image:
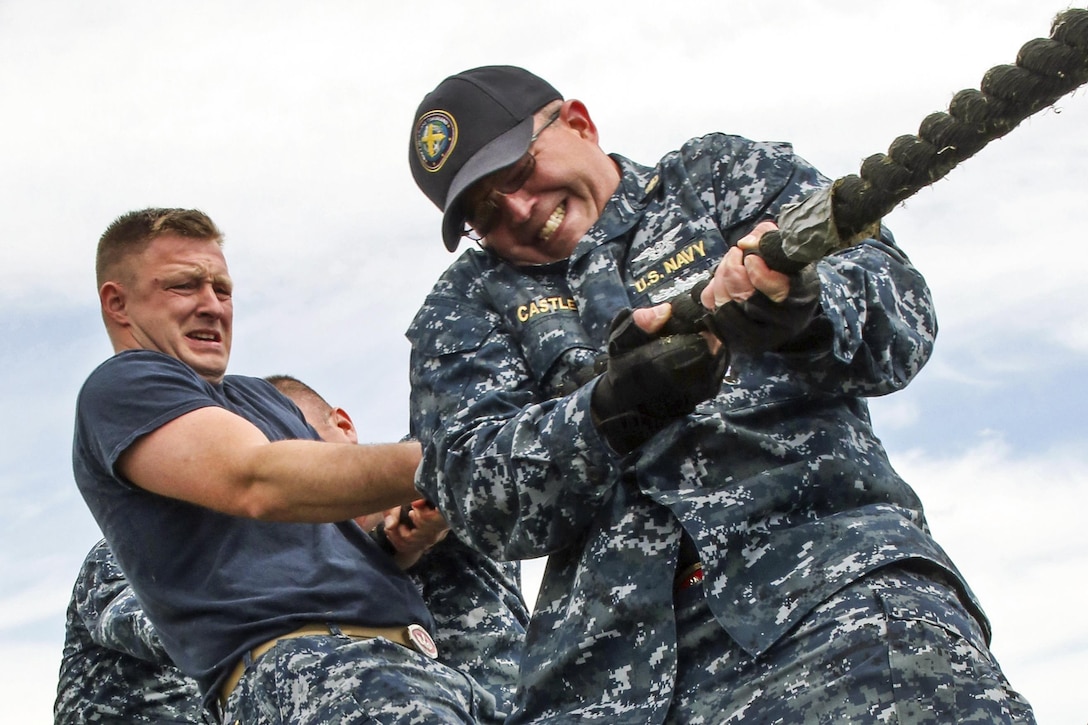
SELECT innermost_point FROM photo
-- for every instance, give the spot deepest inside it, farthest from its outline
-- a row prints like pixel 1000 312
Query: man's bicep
pixel 199 457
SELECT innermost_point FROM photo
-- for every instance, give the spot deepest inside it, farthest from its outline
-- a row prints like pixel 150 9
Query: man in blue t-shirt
pixel 232 522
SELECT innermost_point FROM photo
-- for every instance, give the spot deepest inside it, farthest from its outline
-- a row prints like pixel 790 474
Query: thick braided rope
pixel 1046 69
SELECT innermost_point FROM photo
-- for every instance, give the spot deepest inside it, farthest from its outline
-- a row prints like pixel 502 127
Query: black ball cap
pixel 472 124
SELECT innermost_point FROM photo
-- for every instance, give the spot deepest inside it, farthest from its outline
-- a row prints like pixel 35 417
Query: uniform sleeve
pixel 110 611
pixel 876 325
pixel 128 396
pixel 516 476
pixel 877 312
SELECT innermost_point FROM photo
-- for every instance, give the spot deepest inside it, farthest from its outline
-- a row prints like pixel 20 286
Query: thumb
pixel 652 319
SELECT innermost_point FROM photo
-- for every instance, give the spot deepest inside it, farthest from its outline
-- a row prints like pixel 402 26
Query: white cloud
pixel 1013 527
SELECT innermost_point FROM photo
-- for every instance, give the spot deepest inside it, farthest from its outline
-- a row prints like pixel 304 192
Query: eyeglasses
pixel 481 215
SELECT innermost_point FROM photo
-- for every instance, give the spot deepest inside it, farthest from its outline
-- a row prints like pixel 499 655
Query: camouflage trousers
pixel 895 647
pixel 337 679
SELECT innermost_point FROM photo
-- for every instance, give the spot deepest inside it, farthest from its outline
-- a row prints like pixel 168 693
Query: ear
pixel 342 420
pixel 575 114
pixel 113 301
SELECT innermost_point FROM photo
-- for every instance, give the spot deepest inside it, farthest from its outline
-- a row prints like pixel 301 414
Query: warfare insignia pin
pixel 436 135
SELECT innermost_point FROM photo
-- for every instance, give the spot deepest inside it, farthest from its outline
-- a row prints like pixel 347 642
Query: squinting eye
pixel 516 176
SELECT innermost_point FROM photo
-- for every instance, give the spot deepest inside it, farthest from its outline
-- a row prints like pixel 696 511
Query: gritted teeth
pixel 553 222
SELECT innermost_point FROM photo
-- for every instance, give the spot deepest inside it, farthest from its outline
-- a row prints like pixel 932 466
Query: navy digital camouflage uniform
pixel 779 481
pixel 114 668
pixel 479 613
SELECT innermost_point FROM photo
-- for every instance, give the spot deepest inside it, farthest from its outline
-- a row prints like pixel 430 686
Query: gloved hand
pixel 759 324
pixel 650 381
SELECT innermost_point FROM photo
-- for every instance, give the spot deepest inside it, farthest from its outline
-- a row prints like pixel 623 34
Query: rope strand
pixel 1046 69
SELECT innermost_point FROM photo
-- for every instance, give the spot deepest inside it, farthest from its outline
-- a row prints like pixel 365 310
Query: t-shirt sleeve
pixel 131 395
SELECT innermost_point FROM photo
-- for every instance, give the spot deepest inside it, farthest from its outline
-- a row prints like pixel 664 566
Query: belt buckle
pixel 688 578
pixel 421 641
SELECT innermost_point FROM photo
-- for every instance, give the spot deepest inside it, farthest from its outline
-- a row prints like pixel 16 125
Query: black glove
pixel 760 325
pixel 651 381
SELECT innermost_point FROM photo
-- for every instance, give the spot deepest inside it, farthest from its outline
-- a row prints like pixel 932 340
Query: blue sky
pixel 288 124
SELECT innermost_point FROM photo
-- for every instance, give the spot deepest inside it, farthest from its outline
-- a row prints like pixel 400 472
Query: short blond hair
pixel 130 234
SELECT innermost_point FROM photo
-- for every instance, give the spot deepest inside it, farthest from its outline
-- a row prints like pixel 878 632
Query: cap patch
pixel 436 135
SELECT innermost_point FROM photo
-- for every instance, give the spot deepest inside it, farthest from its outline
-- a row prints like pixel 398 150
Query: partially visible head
pixel 478 149
pixel 334 425
pixel 163 285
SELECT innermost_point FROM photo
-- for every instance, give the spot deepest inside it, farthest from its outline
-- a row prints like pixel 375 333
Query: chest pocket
pixel 656 276
pixel 542 316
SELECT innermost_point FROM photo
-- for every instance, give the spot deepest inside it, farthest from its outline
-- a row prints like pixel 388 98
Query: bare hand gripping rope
pixel 850 209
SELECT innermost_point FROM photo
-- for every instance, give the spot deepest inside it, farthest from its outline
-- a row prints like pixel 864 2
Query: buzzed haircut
pixel 296 389
pixel 131 233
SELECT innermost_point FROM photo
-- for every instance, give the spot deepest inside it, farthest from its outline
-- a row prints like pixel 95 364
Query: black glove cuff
pixel 759 324
pixel 646 388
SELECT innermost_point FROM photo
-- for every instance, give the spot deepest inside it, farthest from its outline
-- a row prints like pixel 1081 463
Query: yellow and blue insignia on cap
pixel 436 135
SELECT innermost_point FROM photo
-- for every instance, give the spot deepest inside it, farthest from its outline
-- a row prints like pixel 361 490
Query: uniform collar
pixel 624 209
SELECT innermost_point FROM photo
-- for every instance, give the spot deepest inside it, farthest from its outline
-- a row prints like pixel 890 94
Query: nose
pixel 517 206
pixel 208 301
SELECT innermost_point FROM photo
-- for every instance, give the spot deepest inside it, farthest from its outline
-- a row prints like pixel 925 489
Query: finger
pixel 395 539
pixel 751 241
pixel 430 515
pixel 392 519
pixel 652 319
pixel 712 342
pixel 730 280
pixel 774 285
pixel 714 294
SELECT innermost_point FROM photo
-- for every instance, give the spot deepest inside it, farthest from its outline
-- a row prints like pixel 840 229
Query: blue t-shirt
pixel 216 585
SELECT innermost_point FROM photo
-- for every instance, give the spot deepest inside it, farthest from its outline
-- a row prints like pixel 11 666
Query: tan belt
pixel 413 637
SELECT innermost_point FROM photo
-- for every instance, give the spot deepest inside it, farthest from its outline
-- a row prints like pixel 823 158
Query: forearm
pixel 513 463
pixel 219 460
pixel 522 484
pixel 307 481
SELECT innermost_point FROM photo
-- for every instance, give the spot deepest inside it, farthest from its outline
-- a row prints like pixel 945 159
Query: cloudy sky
pixel 288 123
